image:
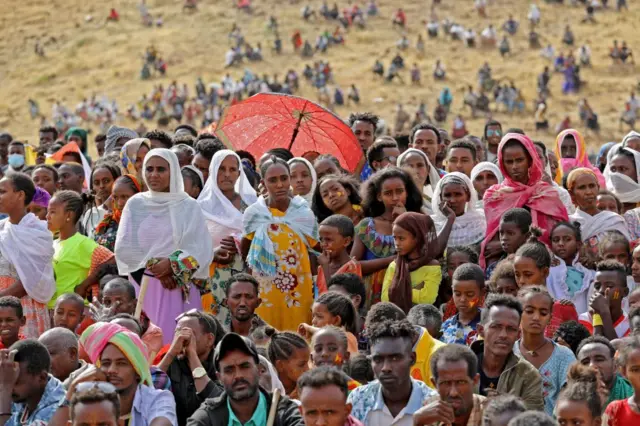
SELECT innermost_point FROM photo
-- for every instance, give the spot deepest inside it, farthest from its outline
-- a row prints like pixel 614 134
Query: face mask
pixel 16 160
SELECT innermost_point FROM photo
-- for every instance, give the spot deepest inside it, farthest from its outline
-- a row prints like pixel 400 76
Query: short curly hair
pixel 390 330
pixel 364 116
pixel 573 333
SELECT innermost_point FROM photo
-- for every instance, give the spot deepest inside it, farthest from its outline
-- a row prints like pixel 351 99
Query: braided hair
pixel 72 202
pixel 535 249
pixel 283 344
pixel 340 305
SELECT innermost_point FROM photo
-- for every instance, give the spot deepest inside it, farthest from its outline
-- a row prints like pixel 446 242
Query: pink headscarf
pixel 581 160
pixel 539 197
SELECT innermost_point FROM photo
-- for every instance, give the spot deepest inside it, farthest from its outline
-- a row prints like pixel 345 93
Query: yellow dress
pixel 287 298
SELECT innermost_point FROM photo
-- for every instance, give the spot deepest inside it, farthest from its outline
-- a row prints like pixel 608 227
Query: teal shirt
pixel 259 417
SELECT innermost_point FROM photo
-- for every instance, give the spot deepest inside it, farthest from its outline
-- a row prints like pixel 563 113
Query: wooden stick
pixel 141 295
pixel 274 405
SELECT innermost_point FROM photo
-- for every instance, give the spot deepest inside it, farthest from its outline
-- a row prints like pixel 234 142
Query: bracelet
pixel 596 320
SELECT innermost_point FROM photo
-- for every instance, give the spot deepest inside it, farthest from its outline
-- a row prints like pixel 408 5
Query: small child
pixel 614 246
pixel 415 276
pixel 626 411
pixel 569 279
pixel 513 232
pixel 352 285
pixel 503 279
pixel 193 181
pixel 335 309
pixel 337 194
pixel 427 317
pixel 579 403
pixel 610 288
pixel 607 200
pixel 360 369
pixel 329 348
pixel 12 319
pixel 634 299
pixel 68 311
pixel 336 235
pixel 532 263
pixel 468 293
pixel 570 334
pixel 289 354
pixel 455 257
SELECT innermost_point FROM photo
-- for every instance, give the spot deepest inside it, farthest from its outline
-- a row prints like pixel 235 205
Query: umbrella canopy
pixel 269 120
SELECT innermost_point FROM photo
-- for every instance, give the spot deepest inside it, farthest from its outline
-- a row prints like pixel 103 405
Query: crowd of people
pixel 172 281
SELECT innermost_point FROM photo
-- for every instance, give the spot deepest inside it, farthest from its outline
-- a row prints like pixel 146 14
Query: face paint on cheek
pixel 474 302
pixel 340 193
pixel 338 359
pixel 616 294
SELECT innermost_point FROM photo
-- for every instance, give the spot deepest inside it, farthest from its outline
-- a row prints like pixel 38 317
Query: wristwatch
pixel 199 373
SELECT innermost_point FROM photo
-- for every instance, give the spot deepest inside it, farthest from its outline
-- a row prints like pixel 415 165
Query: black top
pixel 486 382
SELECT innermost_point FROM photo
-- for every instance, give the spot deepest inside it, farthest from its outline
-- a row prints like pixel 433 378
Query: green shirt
pixel 259 417
pixel 622 389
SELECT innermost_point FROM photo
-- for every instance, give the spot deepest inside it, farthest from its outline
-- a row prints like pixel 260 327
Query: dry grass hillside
pixel 90 57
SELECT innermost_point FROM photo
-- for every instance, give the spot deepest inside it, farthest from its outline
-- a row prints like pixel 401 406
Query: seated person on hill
pixel 439 72
pixel 568 37
pixel 489 36
pixel 511 26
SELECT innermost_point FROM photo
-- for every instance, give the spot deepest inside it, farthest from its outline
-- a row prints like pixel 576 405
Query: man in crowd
pixel 62 345
pixel 492 138
pixel 395 396
pixel 206 147
pixel 323 398
pixel 243 299
pixel 95 407
pixel 11 319
pixel 364 126
pixel 5 140
pixel 502 371
pixel 461 157
pixel 243 402
pixel 29 395
pixel 47 135
pixel 16 157
pixel 455 375
pixel 71 177
pixel 597 352
pixel 189 363
pixel 159 139
pixel 427 139
pixel 383 153
pixel 122 358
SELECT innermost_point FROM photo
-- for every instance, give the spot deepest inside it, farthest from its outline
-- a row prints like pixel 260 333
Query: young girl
pixel 337 194
pixel 289 354
pixel 426 174
pixel 503 279
pixel 387 194
pixel 333 308
pixel 124 188
pixel 415 275
pixel 580 402
pixel 279 231
pixel 569 279
pixel 329 348
pixel 303 178
pixel 607 200
pixel 484 175
pixel 101 180
pixel 77 259
pixel 457 191
pixel 531 263
pixel 456 256
pixel 552 360
pixel 627 411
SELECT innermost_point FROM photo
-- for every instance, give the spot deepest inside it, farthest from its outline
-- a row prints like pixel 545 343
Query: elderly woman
pixel 522 187
pixel 225 197
pixel 163 243
pixel 456 190
pixel 484 175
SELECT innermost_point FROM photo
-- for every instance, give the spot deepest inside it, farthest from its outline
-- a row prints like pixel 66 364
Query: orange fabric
pixel 36 313
pixel 352 266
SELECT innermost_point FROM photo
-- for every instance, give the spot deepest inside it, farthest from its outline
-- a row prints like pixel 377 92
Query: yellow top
pixel 424 348
pixel 425 282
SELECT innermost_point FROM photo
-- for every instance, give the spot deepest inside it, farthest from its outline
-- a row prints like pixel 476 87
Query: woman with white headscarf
pixel 303 178
pixel 426 175
pixel 225 197
pixel 163 241
pixel 458 192
pixel 484 175
pixel 622 175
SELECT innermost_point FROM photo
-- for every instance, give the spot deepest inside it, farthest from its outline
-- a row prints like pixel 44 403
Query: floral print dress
pixel 377 246
pixel 287 298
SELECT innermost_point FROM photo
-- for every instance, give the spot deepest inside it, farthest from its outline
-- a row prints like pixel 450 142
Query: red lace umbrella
pixel 269 120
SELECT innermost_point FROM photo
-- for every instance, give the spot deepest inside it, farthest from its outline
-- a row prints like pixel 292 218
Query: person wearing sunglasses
pixel 95 404
pixel 383 153
pixel 492 137
pixel 120 358
pixel 29 395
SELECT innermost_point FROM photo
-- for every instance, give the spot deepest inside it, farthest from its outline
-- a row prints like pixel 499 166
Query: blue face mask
pixel 15 160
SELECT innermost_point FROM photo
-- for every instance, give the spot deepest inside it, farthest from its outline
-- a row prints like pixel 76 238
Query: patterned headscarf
pixel 97 336
pixel 129 153
pixel 114 133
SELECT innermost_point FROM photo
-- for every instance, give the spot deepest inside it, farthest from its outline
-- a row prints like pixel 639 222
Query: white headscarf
pixel 174 210
pixel 434 177
pixel 28 246
pixel 471 227
pixel 275 380
pixel 314 176
pixel 215 206
pixel 485 166
pixel 625 188
pixel 631 135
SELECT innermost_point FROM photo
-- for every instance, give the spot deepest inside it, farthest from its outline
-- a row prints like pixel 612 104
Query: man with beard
pixel 243 401
pixel 492 137
pixel 242 300
pixel 502 371
pixel 455 375
pixel 395 396
pixel 189 362
pixel 29 395
pixel 364 126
